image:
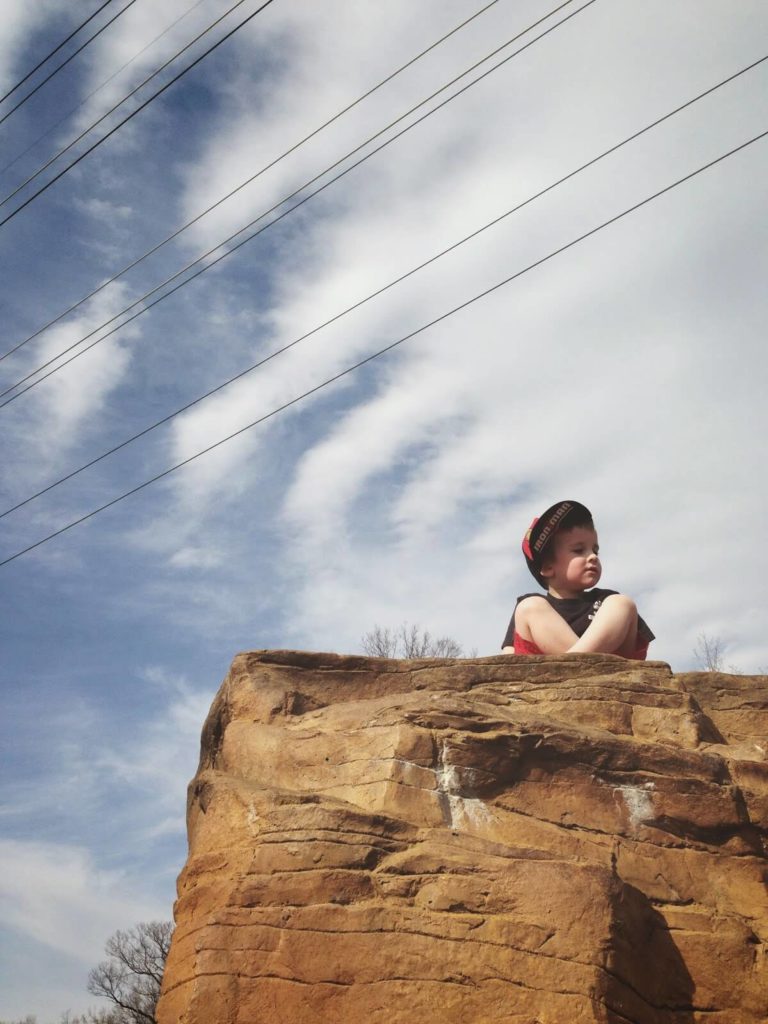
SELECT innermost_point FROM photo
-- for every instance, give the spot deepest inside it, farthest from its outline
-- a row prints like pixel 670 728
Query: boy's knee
pixel 622 603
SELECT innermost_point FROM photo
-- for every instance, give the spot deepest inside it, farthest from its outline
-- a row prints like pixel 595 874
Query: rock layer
pixel 542 840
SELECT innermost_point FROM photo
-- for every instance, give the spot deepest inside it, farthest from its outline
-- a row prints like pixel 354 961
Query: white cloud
pixel 156 768
pixel 105 210
pixel 136 45
pixel 19 21
pixel 66 409
pixel 123 794
pixel 59 905
pixel 56 894
pixel 85 762
pixel 195 558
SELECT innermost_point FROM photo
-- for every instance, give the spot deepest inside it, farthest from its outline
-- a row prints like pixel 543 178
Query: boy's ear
pixel 546 569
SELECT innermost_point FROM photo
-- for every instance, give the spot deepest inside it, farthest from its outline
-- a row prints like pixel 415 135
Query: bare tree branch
pixel 709 652
pixel 409 641
pixel 380 643
pixel 130 979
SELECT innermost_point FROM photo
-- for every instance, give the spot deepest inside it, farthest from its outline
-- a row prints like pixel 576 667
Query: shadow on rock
pixel 647 980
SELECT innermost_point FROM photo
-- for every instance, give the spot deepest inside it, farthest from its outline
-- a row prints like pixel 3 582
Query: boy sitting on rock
pixel 561 551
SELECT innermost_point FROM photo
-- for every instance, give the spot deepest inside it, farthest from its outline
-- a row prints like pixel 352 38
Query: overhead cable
pixel 119 104
pixel 386 349
pixel 64 63
pixel 99 87
pixel 238 245
pixel 379 291
pixel 133 113
pixel 55 50
pixel 242 185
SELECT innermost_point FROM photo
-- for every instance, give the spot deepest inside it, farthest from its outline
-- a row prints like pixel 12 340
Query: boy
pixel 561 551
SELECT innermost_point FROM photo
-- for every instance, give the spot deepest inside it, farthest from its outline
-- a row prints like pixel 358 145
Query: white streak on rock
pixel 253 818
pixel 447 774
pixel 462 810
pixel 638 802
pixel 469 811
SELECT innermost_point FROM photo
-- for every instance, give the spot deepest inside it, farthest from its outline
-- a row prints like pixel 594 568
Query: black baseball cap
pixel 539 535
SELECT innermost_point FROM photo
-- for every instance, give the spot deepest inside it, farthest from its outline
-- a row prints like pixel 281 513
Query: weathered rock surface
pixel 544 840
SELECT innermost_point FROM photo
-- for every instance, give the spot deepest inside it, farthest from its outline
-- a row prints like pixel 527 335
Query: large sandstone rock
pixel 544 840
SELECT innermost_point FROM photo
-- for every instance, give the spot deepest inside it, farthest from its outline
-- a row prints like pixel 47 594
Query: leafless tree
pixel 130 979
pixel 409 641
pixel 709 652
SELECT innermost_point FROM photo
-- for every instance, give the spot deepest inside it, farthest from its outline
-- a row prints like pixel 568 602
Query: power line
pixel 133 113
pixel 119 104
pixel 99 87
pixel 267 167
pixel 386 349
pixel 285 199
pixel 281 216
pixel 64 63
pixel 55 50
pixel 379 291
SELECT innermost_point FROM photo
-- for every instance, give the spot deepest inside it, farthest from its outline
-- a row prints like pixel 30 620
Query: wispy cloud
pixel 156 768
pixel 18 23
pixel 63 411
pixel 56 894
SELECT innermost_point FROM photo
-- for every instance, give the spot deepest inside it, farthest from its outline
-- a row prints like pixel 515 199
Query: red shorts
pixel 529 647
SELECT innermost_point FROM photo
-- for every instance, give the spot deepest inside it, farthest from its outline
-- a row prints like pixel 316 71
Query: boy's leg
pixel 613 629
pixel 537 620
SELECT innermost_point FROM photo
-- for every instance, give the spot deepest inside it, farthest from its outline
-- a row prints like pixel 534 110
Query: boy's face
pixel 572 565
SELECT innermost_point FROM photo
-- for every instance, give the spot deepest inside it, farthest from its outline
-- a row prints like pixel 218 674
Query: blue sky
pixel 628 373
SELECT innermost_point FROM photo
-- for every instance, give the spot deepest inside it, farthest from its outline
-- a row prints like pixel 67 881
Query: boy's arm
pixel 538 622
pixel 613 629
